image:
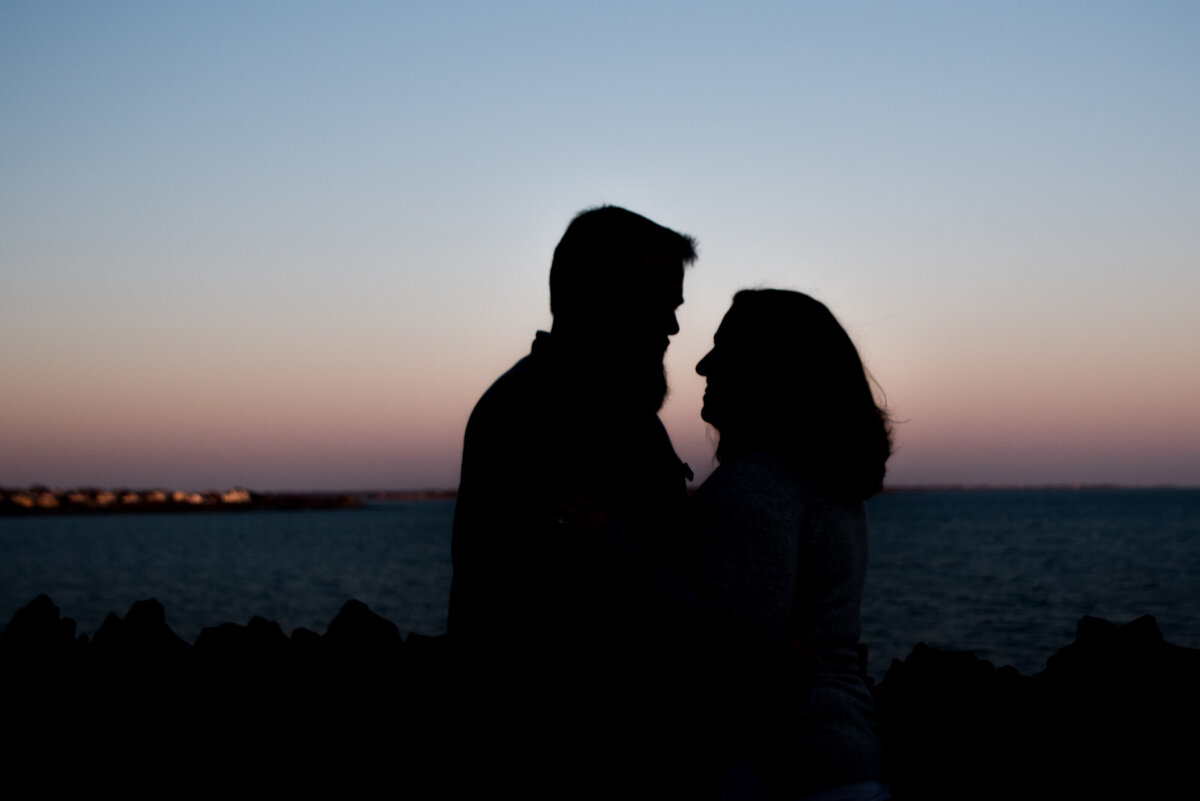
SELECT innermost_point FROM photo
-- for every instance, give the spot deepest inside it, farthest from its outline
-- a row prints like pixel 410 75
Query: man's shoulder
pixel 525 396
pixel 523 386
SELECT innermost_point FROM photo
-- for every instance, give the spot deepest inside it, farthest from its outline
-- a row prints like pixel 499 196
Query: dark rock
pixel 37 631
pixel 946 719
pixel 357 626
pixel 267 632
pixel 260 639
pixel 431 664
pixel 358 635
pixel 142 634
pixel 305 638
pixel 219 641
pixel 1113 713
pixel 41 665
pixel 1095 630
pixel 110 631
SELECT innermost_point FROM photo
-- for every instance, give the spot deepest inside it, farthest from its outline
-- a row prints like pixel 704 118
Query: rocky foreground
pixel 361 711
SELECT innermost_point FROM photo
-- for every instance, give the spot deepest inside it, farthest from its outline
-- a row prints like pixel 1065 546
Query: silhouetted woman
pixel 781 538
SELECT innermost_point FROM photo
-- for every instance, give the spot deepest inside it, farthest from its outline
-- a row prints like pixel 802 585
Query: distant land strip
pixel 43 501
pixel 40 500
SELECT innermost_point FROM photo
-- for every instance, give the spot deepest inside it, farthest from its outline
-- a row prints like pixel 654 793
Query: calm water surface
pixel 1007 574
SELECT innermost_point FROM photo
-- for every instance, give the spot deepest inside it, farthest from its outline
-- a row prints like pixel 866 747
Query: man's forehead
pixel 662 259
pixel 665 286
pixel 658 281
pixel 663 266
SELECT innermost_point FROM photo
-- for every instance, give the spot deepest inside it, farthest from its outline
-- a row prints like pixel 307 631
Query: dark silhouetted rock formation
pixel 360 710
pixel 1114 714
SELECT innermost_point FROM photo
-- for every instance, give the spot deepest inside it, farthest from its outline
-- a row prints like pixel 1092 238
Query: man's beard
pixel 638 384
pixel 653 388
pixel 623 376
pixel 645 387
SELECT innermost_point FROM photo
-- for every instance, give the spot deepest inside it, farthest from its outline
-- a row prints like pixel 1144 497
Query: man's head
pixel 615 283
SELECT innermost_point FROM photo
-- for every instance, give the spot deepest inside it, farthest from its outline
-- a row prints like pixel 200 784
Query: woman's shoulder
pixel 759 485
pixel 755 481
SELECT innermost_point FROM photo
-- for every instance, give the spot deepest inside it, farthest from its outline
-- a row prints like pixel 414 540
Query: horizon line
pixel 453 491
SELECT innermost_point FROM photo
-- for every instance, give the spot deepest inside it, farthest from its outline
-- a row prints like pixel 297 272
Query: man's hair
pixel 604 254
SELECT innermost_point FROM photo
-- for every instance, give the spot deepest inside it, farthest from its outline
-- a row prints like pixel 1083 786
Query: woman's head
pixel 784 375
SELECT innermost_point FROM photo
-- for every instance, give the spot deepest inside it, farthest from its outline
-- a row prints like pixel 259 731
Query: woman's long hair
pixel 805 394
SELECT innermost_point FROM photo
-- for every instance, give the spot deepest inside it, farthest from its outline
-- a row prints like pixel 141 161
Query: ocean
pixel 1005 573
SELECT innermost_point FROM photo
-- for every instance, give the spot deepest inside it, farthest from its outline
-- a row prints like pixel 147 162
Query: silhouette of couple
pixel 621 639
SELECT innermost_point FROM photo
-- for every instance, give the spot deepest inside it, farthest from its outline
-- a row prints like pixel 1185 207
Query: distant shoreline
pixel 40 501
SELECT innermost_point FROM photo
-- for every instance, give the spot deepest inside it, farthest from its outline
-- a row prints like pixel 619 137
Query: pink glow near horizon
pixel 291 250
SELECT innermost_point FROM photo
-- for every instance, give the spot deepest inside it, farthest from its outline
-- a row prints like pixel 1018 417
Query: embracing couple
pixel 621 639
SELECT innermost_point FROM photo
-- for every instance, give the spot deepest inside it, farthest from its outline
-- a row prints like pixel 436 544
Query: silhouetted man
pixel 554 623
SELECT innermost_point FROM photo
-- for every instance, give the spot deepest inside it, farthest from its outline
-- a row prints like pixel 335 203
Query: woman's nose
pixel 703 364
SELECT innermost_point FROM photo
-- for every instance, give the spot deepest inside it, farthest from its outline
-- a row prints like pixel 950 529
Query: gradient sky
pixel 287 245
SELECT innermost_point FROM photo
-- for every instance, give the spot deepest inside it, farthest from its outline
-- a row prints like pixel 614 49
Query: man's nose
pixel 673 325
pixel 702 365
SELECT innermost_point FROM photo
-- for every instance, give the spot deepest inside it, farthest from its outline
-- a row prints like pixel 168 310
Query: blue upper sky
pixel 288 244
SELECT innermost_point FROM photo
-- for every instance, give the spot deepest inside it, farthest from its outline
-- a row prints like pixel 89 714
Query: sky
pixel 287 245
